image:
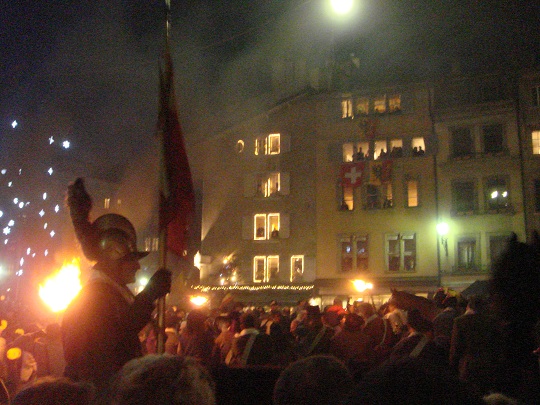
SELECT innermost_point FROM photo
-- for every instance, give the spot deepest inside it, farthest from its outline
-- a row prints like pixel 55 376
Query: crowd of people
pixel 342 354
pixel 106 350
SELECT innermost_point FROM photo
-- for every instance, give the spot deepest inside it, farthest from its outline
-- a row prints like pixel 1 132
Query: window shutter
pixel 309 269
pixel 250 185
pixel 247 228
pixel 285 181
pixel 285 143
pixel 284 229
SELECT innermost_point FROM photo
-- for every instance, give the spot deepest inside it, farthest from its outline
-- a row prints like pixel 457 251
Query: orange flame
pixel 60 288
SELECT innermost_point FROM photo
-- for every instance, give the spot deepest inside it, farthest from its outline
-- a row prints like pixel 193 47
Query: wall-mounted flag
pixel 352 174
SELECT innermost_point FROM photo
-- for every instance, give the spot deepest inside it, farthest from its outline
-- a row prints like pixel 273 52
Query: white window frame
pixel 353 240
pixel 265 222
pixel 294 260
pixel 404 257
pixel 266 262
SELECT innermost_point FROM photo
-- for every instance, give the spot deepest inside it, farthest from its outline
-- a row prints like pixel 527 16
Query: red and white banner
pixel 352 174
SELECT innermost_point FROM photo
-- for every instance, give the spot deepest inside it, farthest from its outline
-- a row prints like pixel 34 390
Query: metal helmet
pixel 116 238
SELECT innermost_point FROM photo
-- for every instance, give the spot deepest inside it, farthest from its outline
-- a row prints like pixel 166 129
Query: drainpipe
pixel 521 156
pixel 436 180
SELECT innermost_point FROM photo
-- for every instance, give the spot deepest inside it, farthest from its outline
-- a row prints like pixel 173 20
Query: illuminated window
pixel 118 202
pixel 493 138
pixel 536 96
pixel 273 144
pixel 355 151
pixel 347 203
pixel 412 193
pixel 497 195
pixel 379 104
pixel 347 108
pixel 536 142
pixel 107 203
pixel 418 146
pixel 268 145
pixel 400 252
pixel 396 148
pixel 394 103
pixel 380 149
pixel 462 142
pixel 362 106
pixel 265 269
pixel 354 253
pixel 268 184
pixel 297 269
pixel 151 244
pixel 266 226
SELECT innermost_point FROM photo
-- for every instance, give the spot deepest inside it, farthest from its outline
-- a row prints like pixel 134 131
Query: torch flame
pixel 60 288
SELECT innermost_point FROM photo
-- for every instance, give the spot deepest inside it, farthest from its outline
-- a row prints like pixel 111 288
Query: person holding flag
pixel 101 325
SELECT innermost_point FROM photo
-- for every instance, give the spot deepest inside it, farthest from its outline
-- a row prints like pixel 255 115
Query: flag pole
pixel 162 301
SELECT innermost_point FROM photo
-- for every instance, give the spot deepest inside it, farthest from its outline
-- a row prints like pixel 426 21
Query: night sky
pixel 87 71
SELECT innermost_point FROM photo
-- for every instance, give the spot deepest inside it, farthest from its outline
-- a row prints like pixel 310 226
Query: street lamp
pixel 442 230
pixel 342 6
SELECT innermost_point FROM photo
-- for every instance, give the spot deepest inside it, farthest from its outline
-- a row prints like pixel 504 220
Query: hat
pixel 116 238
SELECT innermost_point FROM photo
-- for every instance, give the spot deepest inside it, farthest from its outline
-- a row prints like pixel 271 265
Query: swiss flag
pixel 352 174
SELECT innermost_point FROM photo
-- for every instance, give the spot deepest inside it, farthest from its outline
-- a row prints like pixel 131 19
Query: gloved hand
pixel 79 201
pixel 158 285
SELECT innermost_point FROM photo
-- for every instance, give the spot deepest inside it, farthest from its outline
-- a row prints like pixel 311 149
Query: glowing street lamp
pixel 442 230
pixel 342 6
pixel 362 286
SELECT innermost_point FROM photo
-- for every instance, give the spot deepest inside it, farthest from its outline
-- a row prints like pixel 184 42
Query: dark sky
pixel 87 70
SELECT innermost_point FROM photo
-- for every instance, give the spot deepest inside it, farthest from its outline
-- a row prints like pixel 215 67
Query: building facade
pixel 415 186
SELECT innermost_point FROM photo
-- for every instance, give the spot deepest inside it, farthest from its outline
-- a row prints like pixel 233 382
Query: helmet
pixel 116 238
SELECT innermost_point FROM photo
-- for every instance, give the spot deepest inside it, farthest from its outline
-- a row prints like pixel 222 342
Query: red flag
pixel 177 200
pixel 352 174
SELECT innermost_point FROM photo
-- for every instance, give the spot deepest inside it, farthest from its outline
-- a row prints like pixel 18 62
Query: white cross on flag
pixel 352 174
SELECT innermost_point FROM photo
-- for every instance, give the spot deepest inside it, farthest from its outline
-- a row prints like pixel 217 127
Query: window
pixel 379 104
pixel 297 269
pixel 396 148
pixel 464 197
pixel 496 194
pixel 379 196
pixel 412 193
pixel 151 244
pixel 268 184
pixel 536 96
pixel 268 145
pixel 497 245
pixel 347 203
pixel 355 151
pixel 354 253
pixel 266 226
pixel 467 253
pixel 380 149
pixel 536 142
pixel 462 142
pixel 107 203
pixel 493 138
pixel 418 146
pixel 400 252
pixel 347 108
pixel 394 103
pixel 537 195
pixel 265 268
pixel 362 106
